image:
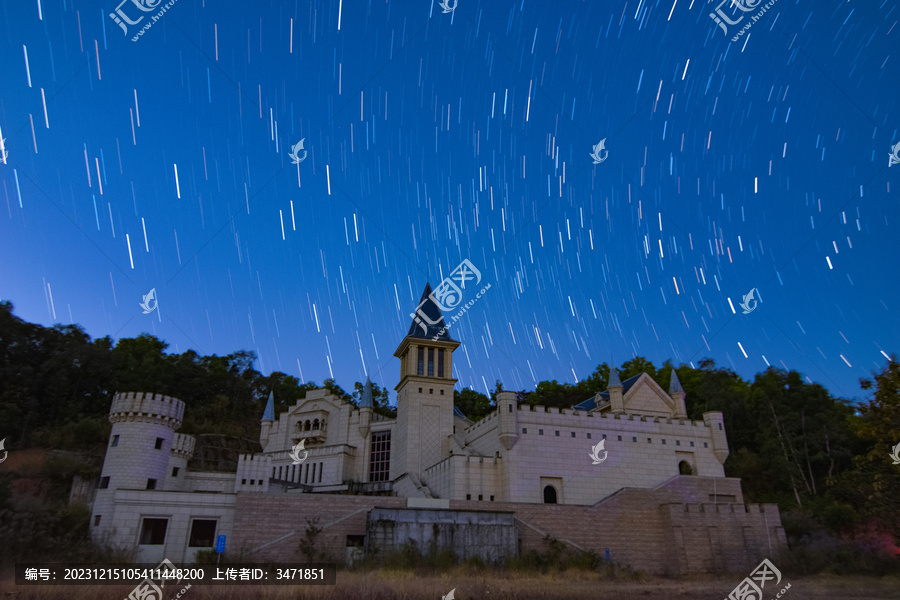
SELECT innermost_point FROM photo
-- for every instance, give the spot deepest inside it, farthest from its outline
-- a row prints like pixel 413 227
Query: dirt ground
pixel 386 585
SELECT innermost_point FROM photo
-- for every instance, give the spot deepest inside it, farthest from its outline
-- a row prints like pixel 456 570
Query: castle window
pixel 664 442
pixel 634 440
pixel 104 483
pixel 705 445
pixel 151 484
pixel 480 497
pixel 96 520
pixel 307 425
pixel 431 362
pixel 510 407
pixel 243 482
pixel 692 444
pixel 153 532
pixel 430 390
pixel 159 443
pixel 549 495
pixel 421 368
pixel 557 434
pixel 321 466
pixel 677 442
pixel 492 498
pixel 252 482
pixel 380 458
pixel 540 432
pixel 620 438
pixel 294 473
pixel 259 483
pixel 649 441
pixel 279 473
pixel 441 363
pixel 203 531
pixel 420 390
pixel 315 425
pixel 573 434
pixel 442 392
pixel 306 474
pixel 720 427
pixel 115 440
pixel 468 496
pixel 174 471
pixel 524 430
pixel 589 436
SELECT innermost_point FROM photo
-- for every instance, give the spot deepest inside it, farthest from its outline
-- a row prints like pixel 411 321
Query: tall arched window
pixel 306 426
pixel 549 495
pixel 315 424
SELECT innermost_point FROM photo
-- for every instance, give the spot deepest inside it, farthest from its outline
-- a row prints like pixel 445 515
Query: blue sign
pixel 607 552
pixel 220 544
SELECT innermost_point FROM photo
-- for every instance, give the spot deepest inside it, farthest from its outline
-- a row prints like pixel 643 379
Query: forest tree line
pixel 824 460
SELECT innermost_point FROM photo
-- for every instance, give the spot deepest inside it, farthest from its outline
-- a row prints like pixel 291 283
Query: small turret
pixel 507 407
pixel 678 395
pixel 268 418
pixel 366 405
pixel 716 424
pixel 616 399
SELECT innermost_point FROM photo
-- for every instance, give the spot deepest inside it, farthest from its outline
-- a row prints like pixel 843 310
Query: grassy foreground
pixel 569 585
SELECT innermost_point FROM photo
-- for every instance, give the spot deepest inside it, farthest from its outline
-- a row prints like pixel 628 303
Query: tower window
pixel 468 496
pixel 260 482
pixel 252 482
pixel 692 444
pixel 634 439
pixel 510 407
pixel 573 434
pixel 174 471
pixel 677 442
pixel 243 482
pixel 430 390
pixel 151 484
pixel 153 532
pixel 720 427
pixel 620 438
pixel 380 458
pixel 705 445
pixel 115 440
pixel 589 436
pixel 420 389
pixel 421 368
pixel 557 434
pixel 96 520
pixel 159 443
pixel 441 362
pixel 442 392
pixel 104 483
pixel 431 362
pixel 203 531
pixel 549 495
pixel 524 430
pixel 480 497
pixel 649 441
pixel 492 498
pixel 540 432
pixel 664 441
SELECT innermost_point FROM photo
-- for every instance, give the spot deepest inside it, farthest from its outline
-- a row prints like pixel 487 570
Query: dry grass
pixel 406 585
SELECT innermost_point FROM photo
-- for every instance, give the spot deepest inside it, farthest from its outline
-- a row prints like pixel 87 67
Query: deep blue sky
pixel 452 136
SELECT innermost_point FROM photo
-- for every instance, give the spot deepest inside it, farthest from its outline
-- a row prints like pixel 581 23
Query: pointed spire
pixel 269 413
pixel 675 385
pixel 367 395
pixel 614 377
pixel 427 319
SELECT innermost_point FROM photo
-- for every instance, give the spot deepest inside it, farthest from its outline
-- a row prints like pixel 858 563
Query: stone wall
pixel 648 530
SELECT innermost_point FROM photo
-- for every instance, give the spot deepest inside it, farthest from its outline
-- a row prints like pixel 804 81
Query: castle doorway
pixel 549 495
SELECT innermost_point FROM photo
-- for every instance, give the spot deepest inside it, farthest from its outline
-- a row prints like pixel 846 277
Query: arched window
pixel 315 424
pixel 684 468
pixel 306 425
pixel 549 495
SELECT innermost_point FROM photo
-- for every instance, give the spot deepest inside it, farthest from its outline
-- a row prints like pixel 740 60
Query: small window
pixel 480 497
pixel 259 482
pixel 468 496
pixel 115 440
pixel 705 445
pixel 442 392
pixel 97 517
pixel 549 495
pixel 243 482
pixel 573 434
pixel 720 427
pixel 153 532
pixel 557 434
pixel 677 442
pixel 203 532
pixel 441 364
pixel 510 407
pixel 430 390
pixel 634 439
pixel 540 432
pixel 604 436
pixel 159 443
pixel 151 484
pixel 589 436
pixel 252 482
pixel 620 438
pixel 104 483
pixel 174 471
pixel 664 442
pixel 524 430
pixel 692 444
pixel 492 498
pixel 420 390
pixel 684 468
pixel 649 441
pixel 420 370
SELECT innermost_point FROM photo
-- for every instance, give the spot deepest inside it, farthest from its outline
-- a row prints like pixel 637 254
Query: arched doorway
pixel 684 468
pixel 549 495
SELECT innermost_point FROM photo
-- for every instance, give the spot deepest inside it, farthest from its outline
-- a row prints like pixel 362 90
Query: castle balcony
pixel 314 431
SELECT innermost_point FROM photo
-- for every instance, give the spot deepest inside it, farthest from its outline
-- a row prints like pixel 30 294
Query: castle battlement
pixel 576 414
pixel 146 407
pixel 183 446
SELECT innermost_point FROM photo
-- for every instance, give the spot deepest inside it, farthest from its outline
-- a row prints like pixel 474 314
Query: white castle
pixel 148 499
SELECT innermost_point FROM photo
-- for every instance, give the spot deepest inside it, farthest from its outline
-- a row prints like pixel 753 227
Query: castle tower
pixel 265 425
pixel 678 395
pixel 139 451
pixel 182 451
pixel 508 409
pixel 425 392
pixel 616 399
pixel 716 424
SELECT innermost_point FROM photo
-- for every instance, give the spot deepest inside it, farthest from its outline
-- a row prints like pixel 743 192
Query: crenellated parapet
pixel 183 446
pixel 144 407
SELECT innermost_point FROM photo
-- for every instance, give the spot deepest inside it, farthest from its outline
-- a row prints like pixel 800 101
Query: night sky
pixel 431 137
